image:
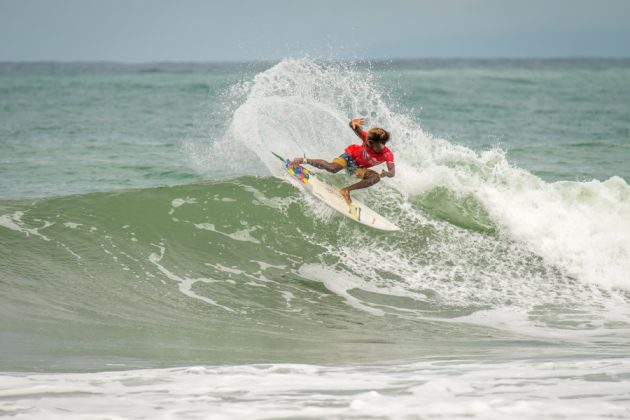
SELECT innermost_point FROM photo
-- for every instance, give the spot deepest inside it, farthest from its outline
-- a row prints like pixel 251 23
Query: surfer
pixel 356 159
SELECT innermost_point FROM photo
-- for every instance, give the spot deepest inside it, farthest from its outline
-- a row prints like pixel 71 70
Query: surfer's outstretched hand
pixel 298 161
pixel 356 123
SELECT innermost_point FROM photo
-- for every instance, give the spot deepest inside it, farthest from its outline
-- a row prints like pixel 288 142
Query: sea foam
pixel 302 107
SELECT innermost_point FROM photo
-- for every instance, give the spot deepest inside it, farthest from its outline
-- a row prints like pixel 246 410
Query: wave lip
pixel 582 227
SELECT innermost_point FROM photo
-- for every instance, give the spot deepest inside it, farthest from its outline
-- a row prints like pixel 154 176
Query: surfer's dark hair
pixel 378 135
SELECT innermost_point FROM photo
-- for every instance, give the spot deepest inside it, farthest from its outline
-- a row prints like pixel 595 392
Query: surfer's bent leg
pixel 369 178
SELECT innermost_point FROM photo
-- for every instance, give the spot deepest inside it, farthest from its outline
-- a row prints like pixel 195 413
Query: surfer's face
pixel 376 146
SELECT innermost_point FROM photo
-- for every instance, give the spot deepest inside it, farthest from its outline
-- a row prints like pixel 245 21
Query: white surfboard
pixel 329 194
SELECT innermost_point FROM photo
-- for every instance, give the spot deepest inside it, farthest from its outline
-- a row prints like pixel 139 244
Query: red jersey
pixel 365 157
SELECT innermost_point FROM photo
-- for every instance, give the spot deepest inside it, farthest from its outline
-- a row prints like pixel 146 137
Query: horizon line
pixel 359 60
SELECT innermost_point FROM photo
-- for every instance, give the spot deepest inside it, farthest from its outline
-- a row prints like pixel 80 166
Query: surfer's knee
pixel 371 176
pixel 335 167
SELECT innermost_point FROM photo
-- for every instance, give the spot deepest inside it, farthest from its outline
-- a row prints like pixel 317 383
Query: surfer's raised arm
pixel 356 125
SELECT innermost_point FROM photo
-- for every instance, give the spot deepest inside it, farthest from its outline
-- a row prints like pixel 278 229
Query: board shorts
pixel 350 165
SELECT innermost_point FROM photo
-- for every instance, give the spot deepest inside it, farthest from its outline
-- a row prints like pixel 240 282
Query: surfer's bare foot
pixel 346 195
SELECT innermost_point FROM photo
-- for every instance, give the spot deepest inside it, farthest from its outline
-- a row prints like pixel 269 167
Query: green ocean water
pixel 144 224
pixel 87 127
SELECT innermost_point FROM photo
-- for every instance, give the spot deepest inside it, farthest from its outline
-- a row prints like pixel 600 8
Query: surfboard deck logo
pixel 329 194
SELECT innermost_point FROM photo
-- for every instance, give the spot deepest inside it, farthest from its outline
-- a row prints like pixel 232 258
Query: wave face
pixel 491 259
pixel 251 270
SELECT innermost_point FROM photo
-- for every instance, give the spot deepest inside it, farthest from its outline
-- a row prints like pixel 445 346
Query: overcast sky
pixel 224 30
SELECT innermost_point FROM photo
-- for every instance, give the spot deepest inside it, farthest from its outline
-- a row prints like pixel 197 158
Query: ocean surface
pixel 156 262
